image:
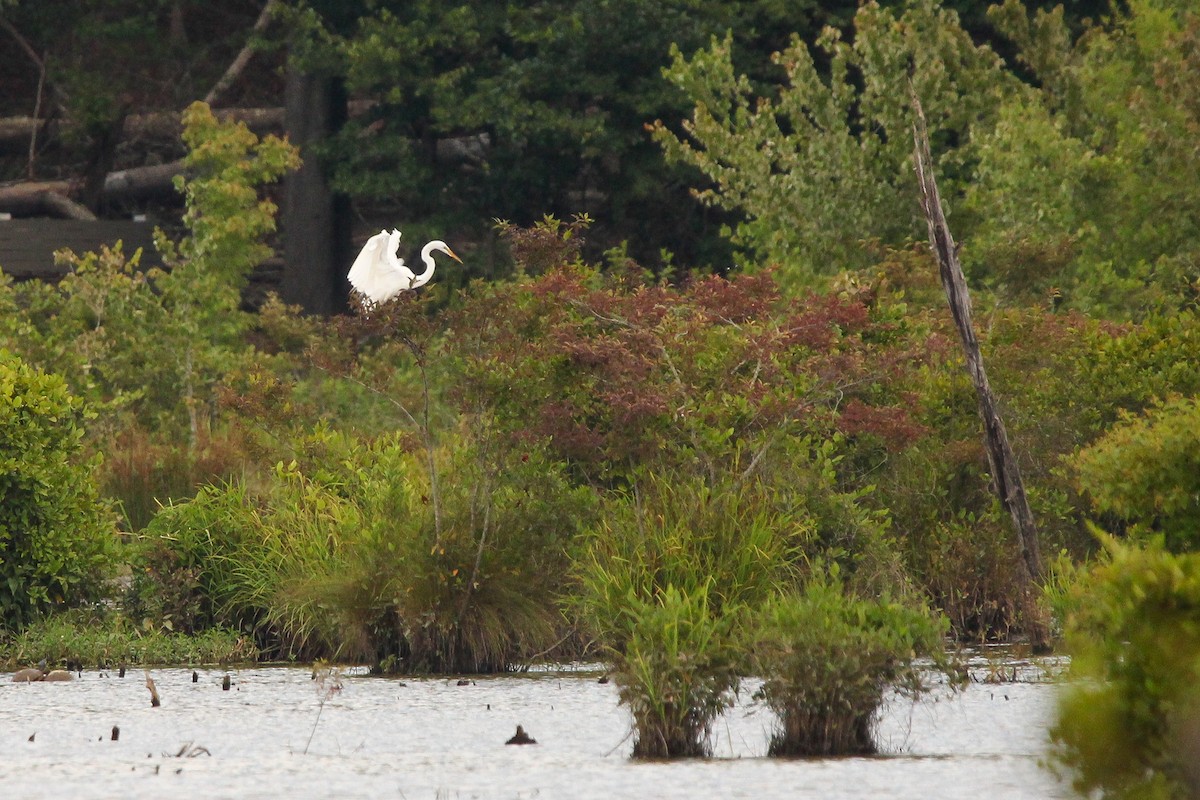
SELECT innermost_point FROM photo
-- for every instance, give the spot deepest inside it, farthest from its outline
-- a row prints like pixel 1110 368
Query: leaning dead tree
pixel 1006 475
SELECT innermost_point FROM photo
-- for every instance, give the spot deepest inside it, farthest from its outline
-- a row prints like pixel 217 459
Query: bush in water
pixel 827 658
pixel 664 581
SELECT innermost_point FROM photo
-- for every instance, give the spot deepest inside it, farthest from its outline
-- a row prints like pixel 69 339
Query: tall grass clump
pixel 476 588
pixel 344 556
pixel 190 564
pixel 828 659
pixel 665 580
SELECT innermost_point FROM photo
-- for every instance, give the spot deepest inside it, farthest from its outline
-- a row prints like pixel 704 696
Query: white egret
pixel 378 274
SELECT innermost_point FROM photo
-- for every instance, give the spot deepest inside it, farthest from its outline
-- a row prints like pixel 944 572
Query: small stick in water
pixel 154 701
pixel 116 733
pixel 225 684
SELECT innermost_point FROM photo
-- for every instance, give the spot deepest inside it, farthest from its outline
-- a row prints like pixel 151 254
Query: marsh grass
pixel 345 559
pixel 678 671
pixel 96 640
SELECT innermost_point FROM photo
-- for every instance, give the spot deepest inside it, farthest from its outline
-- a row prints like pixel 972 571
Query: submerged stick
pixel 154 701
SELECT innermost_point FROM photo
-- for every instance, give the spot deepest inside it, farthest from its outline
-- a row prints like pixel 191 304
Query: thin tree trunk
pixel 1006 475
pixel 316 220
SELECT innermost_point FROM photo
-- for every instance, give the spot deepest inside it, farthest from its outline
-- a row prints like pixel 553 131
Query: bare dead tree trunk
pixel 1006 475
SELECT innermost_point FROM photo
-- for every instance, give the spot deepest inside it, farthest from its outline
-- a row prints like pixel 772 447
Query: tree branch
pixel 243 58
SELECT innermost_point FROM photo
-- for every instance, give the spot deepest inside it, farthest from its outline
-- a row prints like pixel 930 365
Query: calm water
pixel 429 738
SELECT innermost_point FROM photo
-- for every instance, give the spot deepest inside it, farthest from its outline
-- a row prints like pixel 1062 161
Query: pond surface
pixel 431 738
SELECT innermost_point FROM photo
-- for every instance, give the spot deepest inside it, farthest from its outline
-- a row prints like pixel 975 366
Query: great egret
pixel 378 274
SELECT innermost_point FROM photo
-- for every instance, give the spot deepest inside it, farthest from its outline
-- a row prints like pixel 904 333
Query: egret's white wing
pixel 377 273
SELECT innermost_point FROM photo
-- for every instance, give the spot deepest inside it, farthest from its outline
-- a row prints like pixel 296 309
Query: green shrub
pixel 664 580
pixel 1146 472
pixel 827 660
pixel 187 572
pixel 1129 722
pixel 57 542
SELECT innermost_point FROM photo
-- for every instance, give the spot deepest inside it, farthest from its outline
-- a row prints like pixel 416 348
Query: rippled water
pixel 430 738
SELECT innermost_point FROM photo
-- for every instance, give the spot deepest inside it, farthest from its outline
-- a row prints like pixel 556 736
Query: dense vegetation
pixel 776 469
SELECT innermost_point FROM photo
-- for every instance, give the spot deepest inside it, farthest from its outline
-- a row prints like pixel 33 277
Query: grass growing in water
pixel 677 672
pixel 346 559
pixel 111 640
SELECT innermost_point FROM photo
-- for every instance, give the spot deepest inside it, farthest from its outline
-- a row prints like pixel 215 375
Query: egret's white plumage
pixel 378 274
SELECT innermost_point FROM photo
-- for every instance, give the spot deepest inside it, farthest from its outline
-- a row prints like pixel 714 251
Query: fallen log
pixel 154 125
pixel 54 198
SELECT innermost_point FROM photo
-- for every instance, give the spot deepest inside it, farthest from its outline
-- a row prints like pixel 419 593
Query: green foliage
pixel 1146 472
pixel 148 348
pixel 348 559
pixel 1127 725
pixel 664 579
pixel 57 542
pixel 201 292
pixel 1084 186
pixel 827 659
pixel 677 671
pixel 156 342
pixel 821 168
pixel 1063 380
pixel 516 111
pixel 107 641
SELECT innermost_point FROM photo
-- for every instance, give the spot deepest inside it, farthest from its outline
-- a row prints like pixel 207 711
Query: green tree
pixel 1128 726
pixel 1146 473
pixel 515 110
pixel 823 166
pixel 1085 187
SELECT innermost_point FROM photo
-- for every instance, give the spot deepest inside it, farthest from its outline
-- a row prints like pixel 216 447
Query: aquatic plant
pixel 110 640
pixel 664 582
pixel 343 556
pixel 828 659
pixel 677 671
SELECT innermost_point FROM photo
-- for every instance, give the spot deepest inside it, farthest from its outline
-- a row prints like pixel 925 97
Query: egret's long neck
pixel 427 257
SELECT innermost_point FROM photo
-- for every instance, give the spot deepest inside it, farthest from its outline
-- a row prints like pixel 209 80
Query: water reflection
pixel 431 738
